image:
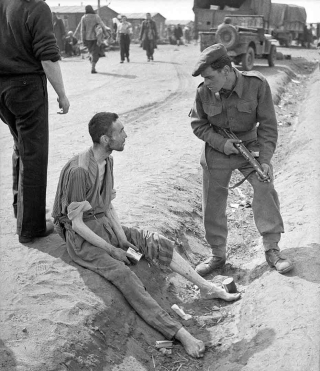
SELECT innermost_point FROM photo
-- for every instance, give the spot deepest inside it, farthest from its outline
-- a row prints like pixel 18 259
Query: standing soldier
pixel 29 54
pixel 236 101
pixel 124 34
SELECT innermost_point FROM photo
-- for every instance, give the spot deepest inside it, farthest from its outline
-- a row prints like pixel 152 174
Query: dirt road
pixel 58 316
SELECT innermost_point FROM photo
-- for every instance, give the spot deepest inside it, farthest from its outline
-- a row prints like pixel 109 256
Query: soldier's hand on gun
pixel 267 170
pixel 230 148
pixel 63 105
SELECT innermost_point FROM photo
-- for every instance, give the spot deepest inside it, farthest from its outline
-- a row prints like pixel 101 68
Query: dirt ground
pixel 58 316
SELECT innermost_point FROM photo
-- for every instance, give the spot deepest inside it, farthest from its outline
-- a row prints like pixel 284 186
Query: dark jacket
pixel 26 37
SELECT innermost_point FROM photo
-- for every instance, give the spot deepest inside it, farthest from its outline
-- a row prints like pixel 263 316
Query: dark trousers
pixel 124 46
pixel 24 108
pixel 94 50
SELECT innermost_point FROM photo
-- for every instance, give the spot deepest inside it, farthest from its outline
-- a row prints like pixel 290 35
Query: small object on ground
pixel 164 344
pixel 295 81
pixel 181 312
pixel 133 255
pixel 229 285
pixel 235 206
pixel 165 351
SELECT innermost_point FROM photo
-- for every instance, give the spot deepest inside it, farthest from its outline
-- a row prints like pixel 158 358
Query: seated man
pixel 95 239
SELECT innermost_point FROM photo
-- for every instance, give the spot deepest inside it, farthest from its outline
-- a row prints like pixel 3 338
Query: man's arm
pixel 116 226
pixel 202 129
pixel 267 131
pixel 53 73
pixel 85 232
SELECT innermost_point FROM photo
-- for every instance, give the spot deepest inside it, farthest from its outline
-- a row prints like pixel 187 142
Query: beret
pixel 208 56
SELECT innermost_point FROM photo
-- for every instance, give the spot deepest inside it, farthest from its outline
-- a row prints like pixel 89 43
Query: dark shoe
pixel 128 60
pixel 49 230
pixel 121 61
pixel 151 57
pixel 94 70
pixel 209 265
pixel 275 260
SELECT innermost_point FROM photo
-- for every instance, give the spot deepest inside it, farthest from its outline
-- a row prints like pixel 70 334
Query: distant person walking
pixel 92 28
pixel 149 36
pixel 29 55
pixel 124 34
pixel 59 31
pixel 178 34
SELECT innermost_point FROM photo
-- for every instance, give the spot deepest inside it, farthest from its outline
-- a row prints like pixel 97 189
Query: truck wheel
pixel 227 35
pixel 289 41
pixel 272 56
pixel 248 59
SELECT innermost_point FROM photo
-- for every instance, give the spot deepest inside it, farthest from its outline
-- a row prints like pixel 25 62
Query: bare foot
pixel 215 292
pixel 194 347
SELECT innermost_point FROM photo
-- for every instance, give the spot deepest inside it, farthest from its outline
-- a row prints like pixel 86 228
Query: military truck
pixel 244 39
pixel 287 23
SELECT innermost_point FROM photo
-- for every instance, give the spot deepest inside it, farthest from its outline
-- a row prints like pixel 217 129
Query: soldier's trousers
pixel 217 170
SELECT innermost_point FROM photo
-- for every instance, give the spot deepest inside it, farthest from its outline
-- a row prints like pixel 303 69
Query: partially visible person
pixel 92 32
pixel 95 239
pixel 29 55
pixel 178 34
pixel 71 45
pixel 149 36
pixel 115 21
pixel 59 31
pixel 186 35
pixel 124 34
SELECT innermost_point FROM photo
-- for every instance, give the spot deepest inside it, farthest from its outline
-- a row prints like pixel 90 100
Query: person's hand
pixel 229 148
pixel 125 244
pixel 63 105
pixel 268 174
pixel 120 255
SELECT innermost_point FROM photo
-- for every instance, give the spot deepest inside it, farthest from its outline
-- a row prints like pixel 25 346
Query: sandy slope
pixel 58 316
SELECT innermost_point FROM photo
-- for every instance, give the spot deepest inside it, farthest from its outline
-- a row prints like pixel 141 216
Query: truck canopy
pixel 255 7
pixel 283 13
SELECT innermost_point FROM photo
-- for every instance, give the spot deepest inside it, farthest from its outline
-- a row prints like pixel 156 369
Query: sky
pixel 178 9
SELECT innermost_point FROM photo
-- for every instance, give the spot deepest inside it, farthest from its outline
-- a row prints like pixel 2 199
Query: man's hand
pixel 63 104
pixel 120 255
pixel 125 244
pixel 229 148
pixel 267 171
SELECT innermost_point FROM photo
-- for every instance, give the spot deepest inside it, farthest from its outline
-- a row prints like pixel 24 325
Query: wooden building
pixel 71 15
pixel 136 19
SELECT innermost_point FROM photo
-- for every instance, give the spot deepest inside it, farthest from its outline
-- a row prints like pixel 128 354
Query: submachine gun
pixel 227 133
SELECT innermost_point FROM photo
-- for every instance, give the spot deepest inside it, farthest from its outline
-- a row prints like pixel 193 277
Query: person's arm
pixel 85 232
pixel 54 75
pixel 116 226
pixel 267 131
pixel 202 129
pixel 141 31
pixel 83 30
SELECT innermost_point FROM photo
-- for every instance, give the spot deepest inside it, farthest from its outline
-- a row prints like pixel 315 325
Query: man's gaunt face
pixel 213 79
pixel 118 138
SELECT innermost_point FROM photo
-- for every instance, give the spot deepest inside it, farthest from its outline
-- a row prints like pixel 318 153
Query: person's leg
pixel 95 50
pixel 127 46
pixel 159 248
pixel 217 172
pixel 267 216
pixel 122 48
pixel 25 110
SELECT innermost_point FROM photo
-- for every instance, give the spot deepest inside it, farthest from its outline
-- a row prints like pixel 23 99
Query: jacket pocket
pixel 212 110
pixel 247 106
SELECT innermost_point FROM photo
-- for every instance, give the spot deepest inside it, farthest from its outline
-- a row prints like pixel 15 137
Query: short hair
pixel 221 62
pixel 227 20
pixel 101 124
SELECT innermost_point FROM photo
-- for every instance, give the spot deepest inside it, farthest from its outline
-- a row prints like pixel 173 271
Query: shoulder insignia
pixel 253 74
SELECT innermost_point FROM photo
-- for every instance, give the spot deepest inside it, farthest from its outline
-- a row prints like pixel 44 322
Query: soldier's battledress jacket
pixel 248 111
